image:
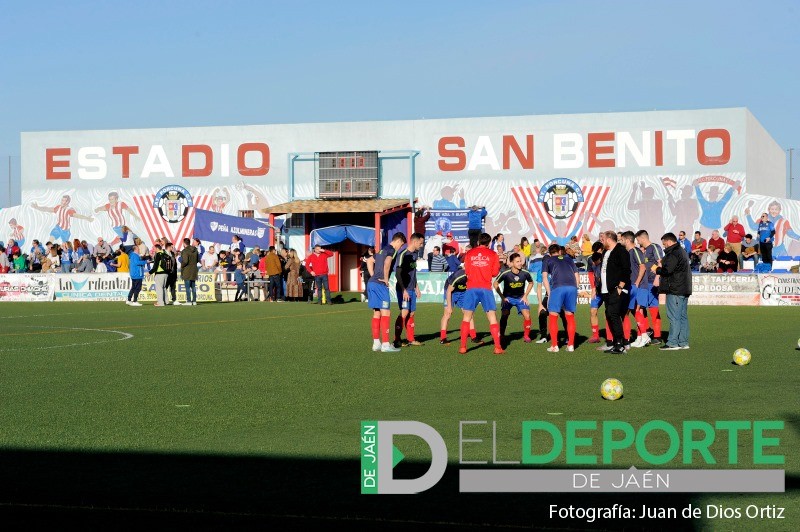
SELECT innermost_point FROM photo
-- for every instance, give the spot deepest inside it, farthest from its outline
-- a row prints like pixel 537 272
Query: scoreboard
pixel 347 174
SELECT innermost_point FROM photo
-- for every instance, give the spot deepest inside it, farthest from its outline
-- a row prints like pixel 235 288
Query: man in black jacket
pixel 615 288
pixel 676 283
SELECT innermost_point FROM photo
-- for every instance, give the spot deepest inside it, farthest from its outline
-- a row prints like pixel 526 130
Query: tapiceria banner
pixel 721 289
pixel 212 226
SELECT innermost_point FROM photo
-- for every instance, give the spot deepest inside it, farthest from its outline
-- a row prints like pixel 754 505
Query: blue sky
pixel 108 65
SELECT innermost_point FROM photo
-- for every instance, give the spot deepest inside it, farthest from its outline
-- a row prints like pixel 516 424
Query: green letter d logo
pixel 388 457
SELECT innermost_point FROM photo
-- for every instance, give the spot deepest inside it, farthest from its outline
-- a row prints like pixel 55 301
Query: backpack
pixel 167 262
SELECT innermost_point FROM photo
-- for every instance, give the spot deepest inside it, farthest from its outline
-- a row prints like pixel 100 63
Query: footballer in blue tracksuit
pixel 380 267
pixel 517 284
pixel 454 288
pixel 638 284
pixel 560 279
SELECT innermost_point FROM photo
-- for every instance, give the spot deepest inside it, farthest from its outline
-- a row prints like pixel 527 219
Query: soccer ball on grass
pixel 741 357
pixel 611 389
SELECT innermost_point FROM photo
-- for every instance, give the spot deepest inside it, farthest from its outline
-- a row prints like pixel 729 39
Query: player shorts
pixel 474 296
pixel 634 291
pixel 520 303
pixel 596 301
pixel 411 304
pixel 59 233
pixel 118 230
pixel 647 297
pixel 563 297
pixel 378 296
pixel 458 299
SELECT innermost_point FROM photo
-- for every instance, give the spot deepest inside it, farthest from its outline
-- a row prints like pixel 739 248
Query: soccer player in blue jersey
pixel 638 282
pixel 407 289
pixel 454 288
pixel 517 284
pixel 378 293
pixel 647 293
pixel 560 279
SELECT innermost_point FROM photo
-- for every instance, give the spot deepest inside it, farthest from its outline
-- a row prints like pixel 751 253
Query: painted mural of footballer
pixel 64 214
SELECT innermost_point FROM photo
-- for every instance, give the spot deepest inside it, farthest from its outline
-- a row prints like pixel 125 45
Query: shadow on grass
pixel 98 489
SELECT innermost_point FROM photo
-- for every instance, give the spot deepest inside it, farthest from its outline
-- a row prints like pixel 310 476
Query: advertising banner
pixel 91 286
pixel 431 287
pixel 205 289
pixel 442 224
pixel 783 289
pixel 115 287
pixel 721 289
pixel 212 226
pixel 26 287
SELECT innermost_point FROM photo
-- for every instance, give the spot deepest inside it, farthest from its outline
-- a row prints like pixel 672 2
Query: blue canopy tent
pixel 325 236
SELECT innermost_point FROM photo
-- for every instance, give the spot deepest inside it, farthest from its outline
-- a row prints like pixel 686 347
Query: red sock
pixel 626 327
pixel 385 329
pixel 609 333
pixel 473 333
pixel 376 328
pixel 464 334
pixel 571 329
pixel 595 331
pixel 656 317
pixel 398 328
pixel 526 328
pixel 410 328
pixel 443 334
pixel 553 329
pixel 495 330
pixel 641 322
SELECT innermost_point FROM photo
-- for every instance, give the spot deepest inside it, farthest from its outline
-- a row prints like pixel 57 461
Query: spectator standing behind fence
pixel 294 283
pixel 274 275
pixel 766 237
pixel 189 271
pixel 137 265
pixel 453 264
pixel 317 264
pixel 209 260
pixel 436 262
pixel 475 218
pixel 66 257
pixel 160 271
pixel 734 232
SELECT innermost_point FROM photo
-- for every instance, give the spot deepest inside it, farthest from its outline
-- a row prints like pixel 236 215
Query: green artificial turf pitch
pixel 251 411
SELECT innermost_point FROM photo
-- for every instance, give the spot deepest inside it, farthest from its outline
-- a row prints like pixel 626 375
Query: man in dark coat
pixel 615 288
pixel 189 259
pixel 676 283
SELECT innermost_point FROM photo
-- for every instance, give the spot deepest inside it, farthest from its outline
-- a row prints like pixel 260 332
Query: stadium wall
pixel 547 176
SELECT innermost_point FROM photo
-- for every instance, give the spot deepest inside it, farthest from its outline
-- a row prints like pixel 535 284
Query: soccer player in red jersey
pixel 481 265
